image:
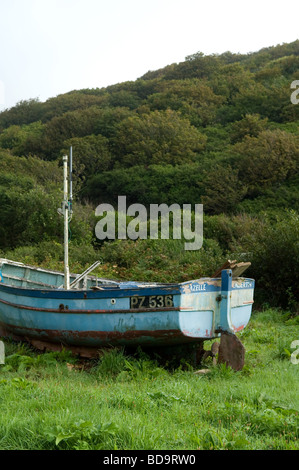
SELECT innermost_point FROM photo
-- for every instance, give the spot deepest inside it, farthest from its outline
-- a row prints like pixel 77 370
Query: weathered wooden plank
pixel 226 265
pixel 237 268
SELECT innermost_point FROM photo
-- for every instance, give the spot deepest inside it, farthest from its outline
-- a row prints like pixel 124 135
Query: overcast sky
pixel 49 47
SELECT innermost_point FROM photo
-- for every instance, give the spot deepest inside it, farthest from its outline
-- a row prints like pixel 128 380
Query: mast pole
pixel 66 225
pixel 71 183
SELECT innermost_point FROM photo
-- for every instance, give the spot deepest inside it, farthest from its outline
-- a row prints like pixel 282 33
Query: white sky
pixel 49 47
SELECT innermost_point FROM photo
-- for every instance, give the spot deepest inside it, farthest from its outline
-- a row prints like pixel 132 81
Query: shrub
pixel 273 250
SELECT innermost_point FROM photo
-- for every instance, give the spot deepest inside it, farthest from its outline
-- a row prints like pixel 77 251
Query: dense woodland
pixel 220 130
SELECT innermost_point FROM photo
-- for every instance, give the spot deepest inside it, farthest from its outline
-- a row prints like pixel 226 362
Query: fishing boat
pixel 85 313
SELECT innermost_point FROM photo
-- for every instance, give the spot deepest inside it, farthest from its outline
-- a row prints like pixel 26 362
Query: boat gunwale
pixel 131 290
pixel 89 293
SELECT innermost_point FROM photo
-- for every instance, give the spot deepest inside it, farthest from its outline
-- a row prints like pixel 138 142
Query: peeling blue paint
pixel 103 314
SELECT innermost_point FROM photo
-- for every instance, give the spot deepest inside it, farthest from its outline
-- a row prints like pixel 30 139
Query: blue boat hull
pixel 127 314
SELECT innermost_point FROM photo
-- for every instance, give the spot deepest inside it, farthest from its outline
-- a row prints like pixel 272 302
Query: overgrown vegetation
pixel 54 401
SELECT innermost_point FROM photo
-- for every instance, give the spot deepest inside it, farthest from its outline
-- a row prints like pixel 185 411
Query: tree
pixel 91 156
pixel 124 98
pixel 24 112
pixel 155 184
pixel 273 250
pixel 223 190
pixel 268 101
pixel 192 97
pixel 79 123
pixel 250 124
pixel 267 159
pixel 158 137
pixel 72 101
pixel 23 140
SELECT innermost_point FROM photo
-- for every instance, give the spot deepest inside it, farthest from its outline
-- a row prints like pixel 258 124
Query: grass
pixel 120 402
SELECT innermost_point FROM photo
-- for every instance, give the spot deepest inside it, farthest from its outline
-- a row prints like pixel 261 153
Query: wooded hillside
pixel 218 129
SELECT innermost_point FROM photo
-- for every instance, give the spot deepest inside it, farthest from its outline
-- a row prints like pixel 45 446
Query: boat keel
pixel 231 351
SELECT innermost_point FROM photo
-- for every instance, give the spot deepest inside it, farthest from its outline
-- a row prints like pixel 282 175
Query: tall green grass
pixel 130 402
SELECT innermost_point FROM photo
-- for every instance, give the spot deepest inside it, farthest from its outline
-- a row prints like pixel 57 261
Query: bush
pixel 273 250
pixel 161 260
pixel 50 255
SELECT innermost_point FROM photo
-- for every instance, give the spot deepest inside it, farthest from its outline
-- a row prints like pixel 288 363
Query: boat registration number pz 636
pixel 151 301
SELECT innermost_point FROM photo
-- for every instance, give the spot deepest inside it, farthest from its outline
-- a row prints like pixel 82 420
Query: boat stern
pixel 212 306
